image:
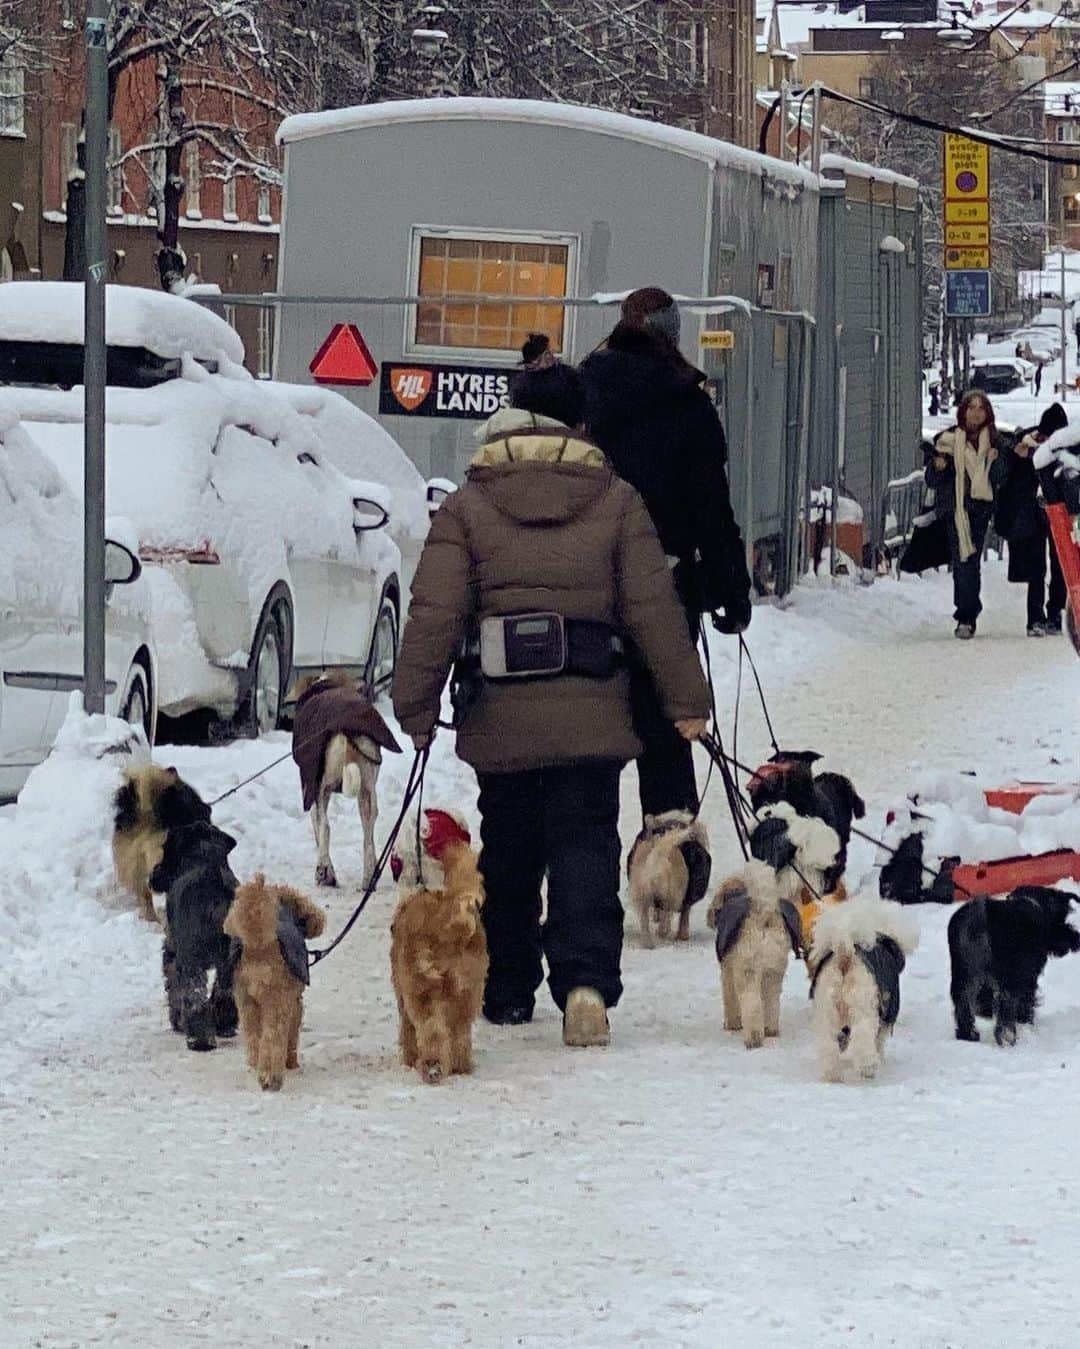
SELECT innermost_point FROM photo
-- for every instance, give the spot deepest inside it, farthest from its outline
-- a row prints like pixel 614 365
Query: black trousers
pixel 1055 600
pixel 967 576
pixel 666 769
pixel 562 823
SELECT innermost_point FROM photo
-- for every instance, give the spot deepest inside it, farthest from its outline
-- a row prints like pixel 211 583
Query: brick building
pixel 230 211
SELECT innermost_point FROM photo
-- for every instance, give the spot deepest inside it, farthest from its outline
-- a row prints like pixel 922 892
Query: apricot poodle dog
pixel 438 950
pixel 270 924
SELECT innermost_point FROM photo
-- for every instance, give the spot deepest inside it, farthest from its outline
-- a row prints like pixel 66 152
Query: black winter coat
pixel 943 480
pixel 648 412
pixel 1018 514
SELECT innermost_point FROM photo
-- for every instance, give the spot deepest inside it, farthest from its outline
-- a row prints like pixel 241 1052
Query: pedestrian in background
pixel 545 561
pixel 647 409
pixel 1021 521
pixel 963 471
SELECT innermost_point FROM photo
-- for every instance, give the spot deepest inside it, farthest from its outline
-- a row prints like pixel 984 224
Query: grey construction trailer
pixel 447 229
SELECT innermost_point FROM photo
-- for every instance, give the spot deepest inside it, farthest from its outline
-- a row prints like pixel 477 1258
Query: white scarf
pixel 971 463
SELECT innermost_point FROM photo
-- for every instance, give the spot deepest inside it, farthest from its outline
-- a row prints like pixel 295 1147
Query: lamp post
pixel 96 131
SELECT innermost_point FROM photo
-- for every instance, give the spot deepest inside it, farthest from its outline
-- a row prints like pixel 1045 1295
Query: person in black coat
pixel 1021 521
pixel 645 406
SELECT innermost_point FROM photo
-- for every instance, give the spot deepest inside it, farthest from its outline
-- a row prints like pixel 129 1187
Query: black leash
pixel 745 650
pixel 412 788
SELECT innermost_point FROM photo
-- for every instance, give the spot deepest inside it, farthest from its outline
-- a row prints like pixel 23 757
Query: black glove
pixel 735 618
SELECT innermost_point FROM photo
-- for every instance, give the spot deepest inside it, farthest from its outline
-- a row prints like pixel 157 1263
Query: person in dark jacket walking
pixel 647 410
pixel 546 559
pixel 964 471
pixel 1021 521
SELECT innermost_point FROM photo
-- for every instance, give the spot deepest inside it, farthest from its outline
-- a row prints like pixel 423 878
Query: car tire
pixel 136 707
pixel 385 639
pixel 268 669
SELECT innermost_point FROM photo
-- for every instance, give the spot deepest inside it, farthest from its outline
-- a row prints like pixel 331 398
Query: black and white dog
pixel 827 796
pixel 908 878
pixel 199 886
pixel 858 952
pixel 998 949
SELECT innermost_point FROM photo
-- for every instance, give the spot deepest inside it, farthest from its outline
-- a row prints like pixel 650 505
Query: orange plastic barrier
pixel 1017 796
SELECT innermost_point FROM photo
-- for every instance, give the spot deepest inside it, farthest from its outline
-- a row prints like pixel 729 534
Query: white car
pixel 41 538
pixel 279 525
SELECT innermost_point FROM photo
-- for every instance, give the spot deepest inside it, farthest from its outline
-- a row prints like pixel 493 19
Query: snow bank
pixel 952 814
pixel 167 325
pixel 72 960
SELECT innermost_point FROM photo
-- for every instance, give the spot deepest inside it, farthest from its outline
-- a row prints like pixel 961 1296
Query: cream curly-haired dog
pixel 858 952
pixel 438 950
pixel 756 930
pixel 271 923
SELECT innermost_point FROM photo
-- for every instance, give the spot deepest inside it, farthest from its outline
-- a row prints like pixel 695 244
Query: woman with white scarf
pixel 964 472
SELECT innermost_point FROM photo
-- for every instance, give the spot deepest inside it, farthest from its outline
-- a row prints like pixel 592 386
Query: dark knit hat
pixel 1053 419
pixel 652 310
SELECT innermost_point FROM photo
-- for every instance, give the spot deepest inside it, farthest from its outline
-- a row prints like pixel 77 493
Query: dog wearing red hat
pixel 438 950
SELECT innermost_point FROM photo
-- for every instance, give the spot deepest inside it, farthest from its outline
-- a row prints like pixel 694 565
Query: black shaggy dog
pixel 199 887
pixel 828 796
pixel 998 948
pixel 904 876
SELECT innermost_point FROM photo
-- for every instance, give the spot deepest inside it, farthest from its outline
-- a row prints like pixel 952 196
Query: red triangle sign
pixel 344 358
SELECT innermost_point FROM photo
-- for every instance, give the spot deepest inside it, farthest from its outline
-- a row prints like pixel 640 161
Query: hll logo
pixel 410 387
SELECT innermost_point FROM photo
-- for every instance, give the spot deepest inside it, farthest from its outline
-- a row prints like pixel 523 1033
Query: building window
pixel 114 157
pixel 265 344
pixel 12 99
pixel 192 181
pixel 867 87
pixel 1072 208
pixel 69 155
pixel 265 210
pixel 229 312
pixel 689 44
pixel 1068 171
pixel 228 199
pixel 1067 132
pixel 523 268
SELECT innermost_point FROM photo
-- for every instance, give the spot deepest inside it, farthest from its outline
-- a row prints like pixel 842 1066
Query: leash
pixel 413 788
pixel 745 650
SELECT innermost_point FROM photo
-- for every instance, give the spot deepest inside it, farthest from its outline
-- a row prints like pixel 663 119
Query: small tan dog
pixel 438 950
pixel 668 869
pixel 151 801
pixel 271 923
pixel 756 931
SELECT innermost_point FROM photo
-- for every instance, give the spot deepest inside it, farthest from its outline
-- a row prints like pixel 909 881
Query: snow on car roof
pixel 307 125
pixel 167 325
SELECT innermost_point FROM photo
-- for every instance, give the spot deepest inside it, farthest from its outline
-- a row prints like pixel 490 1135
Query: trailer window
pixel 526 270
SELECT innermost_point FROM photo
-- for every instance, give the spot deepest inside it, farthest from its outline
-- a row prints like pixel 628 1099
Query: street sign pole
pixel 96 137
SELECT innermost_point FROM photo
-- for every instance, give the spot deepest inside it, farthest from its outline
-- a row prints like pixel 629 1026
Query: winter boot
pixel 1036 630
pixel 965 631
pixel 585 1020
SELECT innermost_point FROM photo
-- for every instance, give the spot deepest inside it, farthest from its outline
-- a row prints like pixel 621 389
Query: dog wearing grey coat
pixel 757 929
pixel 668 870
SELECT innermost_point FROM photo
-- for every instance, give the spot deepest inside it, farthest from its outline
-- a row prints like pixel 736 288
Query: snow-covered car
pixel 996 374
pixel 41 630
pixel 279 524
pixel 1043 343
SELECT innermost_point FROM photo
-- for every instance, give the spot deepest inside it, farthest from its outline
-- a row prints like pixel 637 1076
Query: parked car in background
pixel 1043 343
pixel 41 629
pixel 1001 375
pixel 279 525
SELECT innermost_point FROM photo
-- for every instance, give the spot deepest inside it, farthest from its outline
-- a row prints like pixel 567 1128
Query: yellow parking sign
pixel 967 169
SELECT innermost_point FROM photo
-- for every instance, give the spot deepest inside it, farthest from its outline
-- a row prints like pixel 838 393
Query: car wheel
pixel 268 671
pixel 382 659
pixel 135 706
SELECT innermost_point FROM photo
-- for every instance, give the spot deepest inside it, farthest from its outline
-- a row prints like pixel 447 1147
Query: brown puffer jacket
pixel 542 523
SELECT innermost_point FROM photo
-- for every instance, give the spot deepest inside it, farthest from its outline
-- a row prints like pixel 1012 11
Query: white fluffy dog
pixel 799 848
pixel 858 952
pixel 756 930
pixel 668 868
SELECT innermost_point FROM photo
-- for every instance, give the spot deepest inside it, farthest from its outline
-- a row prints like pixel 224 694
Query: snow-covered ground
pixel 673 1189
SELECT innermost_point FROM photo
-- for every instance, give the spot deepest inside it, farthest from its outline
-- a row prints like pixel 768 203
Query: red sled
pixel 998 878
pixel 1015 797
pixel 1063 538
